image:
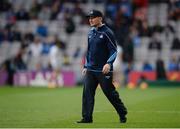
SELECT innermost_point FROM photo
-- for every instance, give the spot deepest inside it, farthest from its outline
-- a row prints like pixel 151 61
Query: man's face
pixel 95 21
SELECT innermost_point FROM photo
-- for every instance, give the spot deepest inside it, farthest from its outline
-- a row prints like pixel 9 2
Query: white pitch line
pixel 170 112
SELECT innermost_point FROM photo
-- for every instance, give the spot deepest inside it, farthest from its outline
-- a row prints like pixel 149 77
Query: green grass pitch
pixel 61 108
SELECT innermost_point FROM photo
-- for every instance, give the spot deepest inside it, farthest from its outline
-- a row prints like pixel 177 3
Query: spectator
pixel 42 30
pixel 56 78
pixel 134 34
pixel 140 4
pixel 160 70
pixel 53 54
pixel 12 35
pixel 111 9
pixel 147 66
pixel 35 9
pixel 11 16
pixel 35 47
pixel 22 14
pixel 45 13
pixel 46 46
pixel 8 66
pixel 128 50
pixel 122 24
pixel 16 34
pixel 175 44
pixel 34 51
pixel 28 37
pixel 61 44
pixel 173 64
pixel 5 5
pixel 2 36
pixel 55 10
pixel 144 29
pixel 16 63
pixel 70 25
pixel 174 10
pixel 155 43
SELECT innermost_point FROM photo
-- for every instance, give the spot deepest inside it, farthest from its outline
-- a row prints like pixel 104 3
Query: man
pixel 99 67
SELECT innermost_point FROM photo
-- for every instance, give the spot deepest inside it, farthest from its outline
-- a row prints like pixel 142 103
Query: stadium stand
pixel 66 20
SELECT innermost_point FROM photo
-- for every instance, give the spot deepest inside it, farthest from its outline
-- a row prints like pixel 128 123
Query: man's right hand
pixel 84 71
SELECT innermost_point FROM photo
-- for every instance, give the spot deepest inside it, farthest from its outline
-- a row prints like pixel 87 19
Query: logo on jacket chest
pixel 101 36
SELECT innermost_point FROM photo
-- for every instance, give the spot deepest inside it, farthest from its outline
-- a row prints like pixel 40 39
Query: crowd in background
pixel 128 19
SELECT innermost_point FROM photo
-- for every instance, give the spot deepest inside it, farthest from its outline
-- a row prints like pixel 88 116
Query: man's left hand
pixel 106 68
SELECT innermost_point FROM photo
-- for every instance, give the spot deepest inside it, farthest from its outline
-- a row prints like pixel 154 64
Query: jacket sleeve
pixel 86 55
pixel 85 64
pixel 112 47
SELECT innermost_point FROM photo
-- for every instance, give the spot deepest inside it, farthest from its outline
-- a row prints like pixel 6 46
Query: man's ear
pixel 101 18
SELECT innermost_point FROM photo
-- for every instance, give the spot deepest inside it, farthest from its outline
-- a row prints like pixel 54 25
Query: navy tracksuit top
pixel 102 49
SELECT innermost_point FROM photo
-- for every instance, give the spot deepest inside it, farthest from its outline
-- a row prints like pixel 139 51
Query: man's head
pixel 95 18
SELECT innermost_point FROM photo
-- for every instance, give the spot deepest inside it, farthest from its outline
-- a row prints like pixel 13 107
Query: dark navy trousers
pixel 91 81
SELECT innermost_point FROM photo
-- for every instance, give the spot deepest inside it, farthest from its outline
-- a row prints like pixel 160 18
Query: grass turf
pixel 61 107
